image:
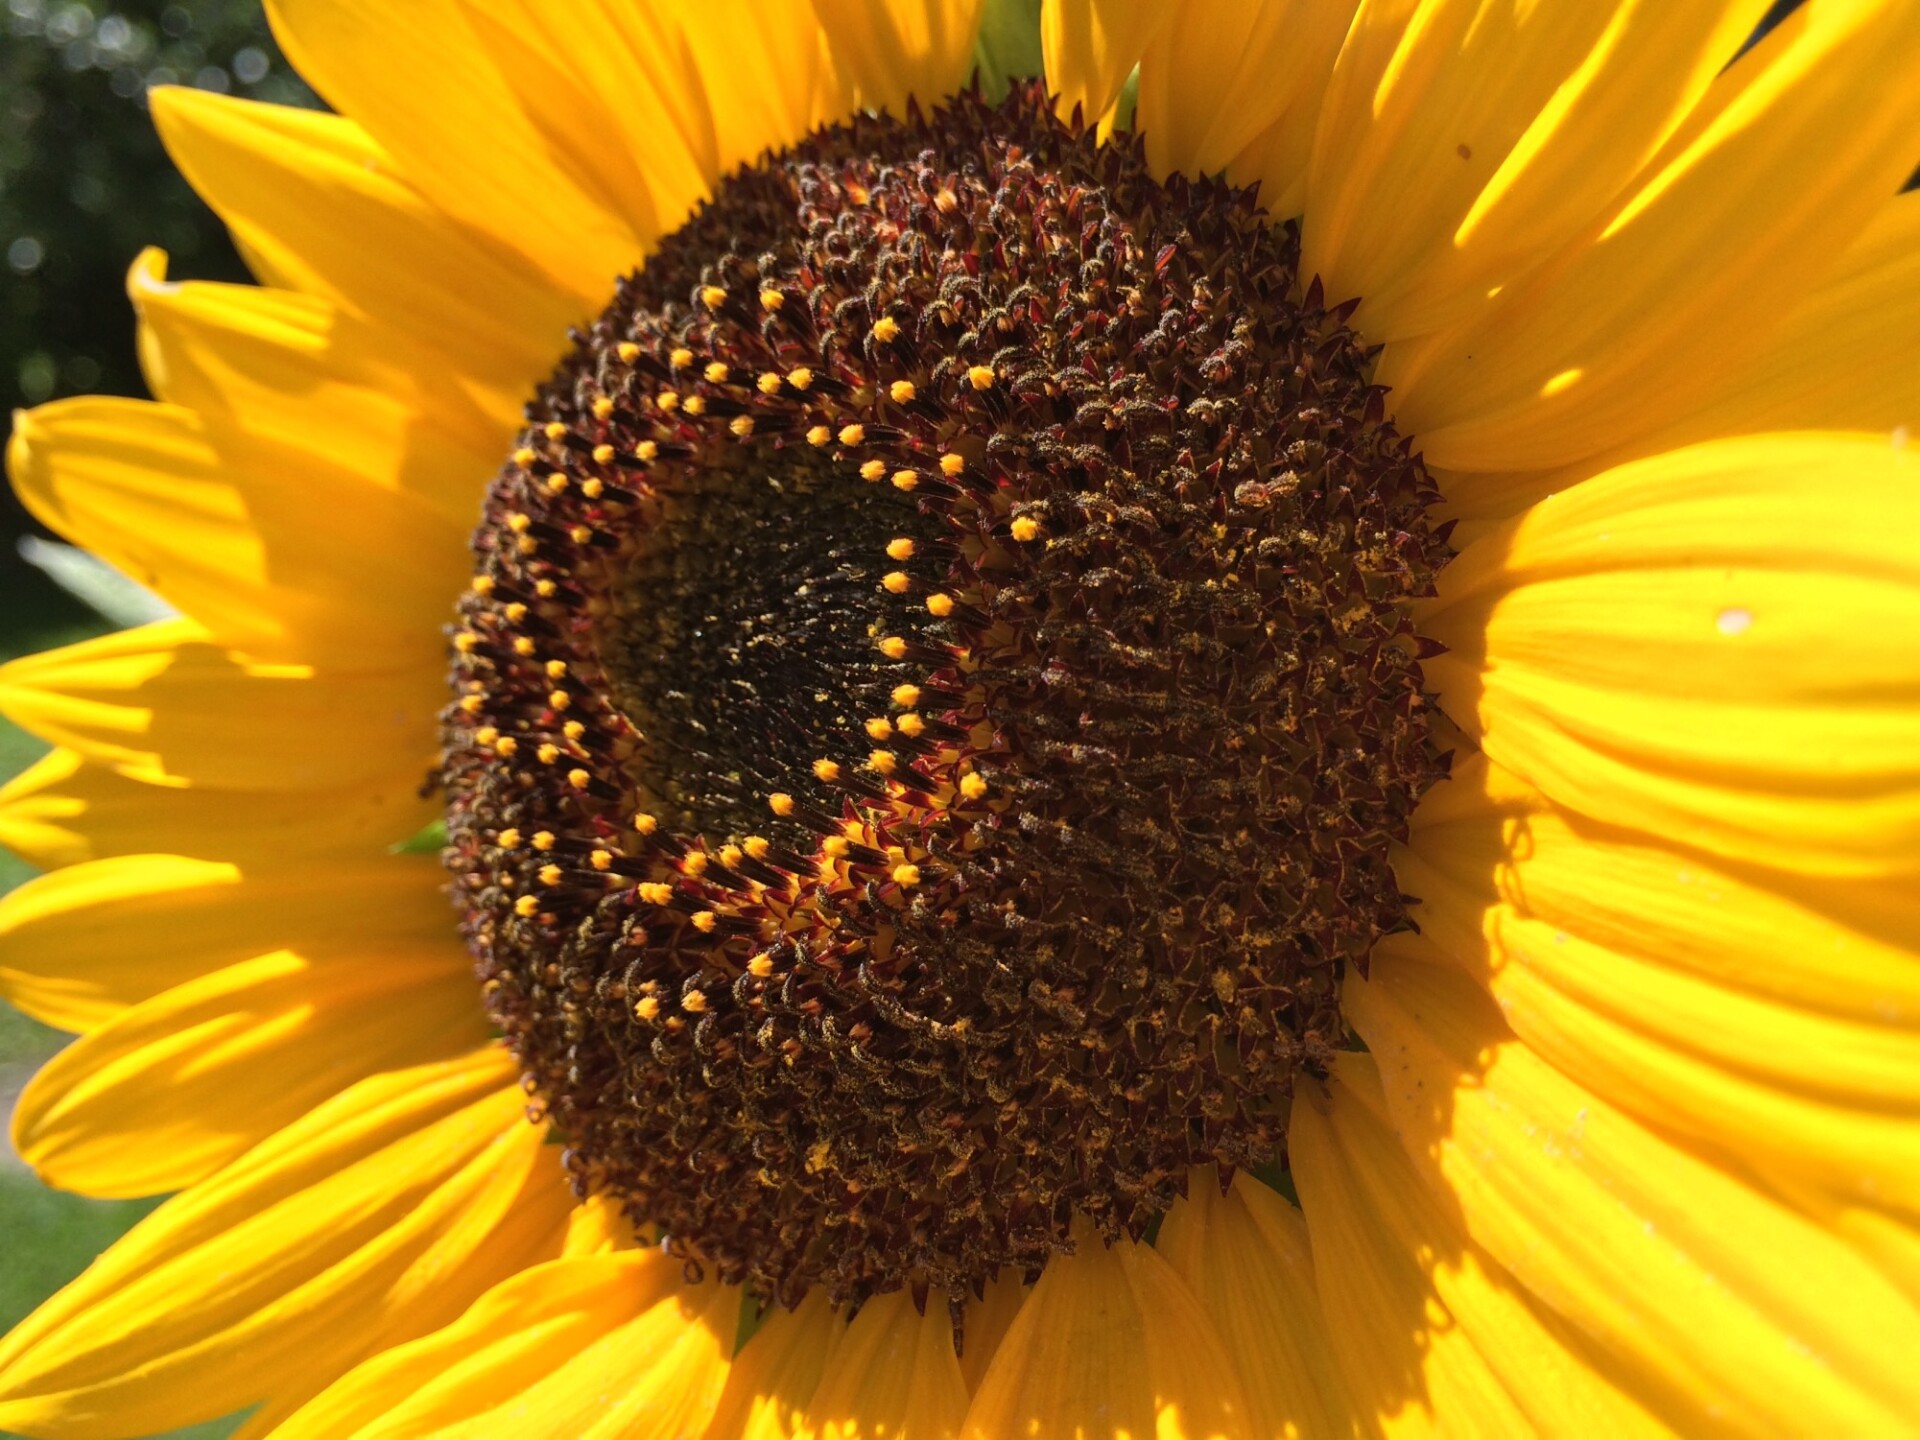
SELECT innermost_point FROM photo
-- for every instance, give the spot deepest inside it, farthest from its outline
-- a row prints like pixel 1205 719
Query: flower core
pixel 935 703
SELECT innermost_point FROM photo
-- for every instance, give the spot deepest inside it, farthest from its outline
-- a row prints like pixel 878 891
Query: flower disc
pixel 935 704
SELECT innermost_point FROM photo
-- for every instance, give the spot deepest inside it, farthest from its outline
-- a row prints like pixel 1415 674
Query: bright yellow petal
pixel 589 1347
pixel 1245 1257
pixel 987 1322
pixel 425 89
pixel 82 945
pixel 166 704
pixel 275 551
pixel 64 811
pixel 377 1217
pixel 1783 165
pixel 887 50
pixel 893 1376
pixel 1769 1018
pixel 1238 88
pixel 1463 144
pixel 1433 1336
pixel 330 214
pixel 168 1092
pixel 1697 1282
pixel 1110 1342
pixel 767 83
pixel 1712 645
pixel 774 1376
pixel 298 371
pixel 1090 48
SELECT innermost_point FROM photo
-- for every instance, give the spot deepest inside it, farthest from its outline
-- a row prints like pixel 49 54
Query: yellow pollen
pixel 768 383
pixel 906 876
pixel 681 358
pixel 601 859
pixel 485 735
pixel 900 548
pixel 827 771
pixel 952 464
pixel 525 456
pixel 579 779
pixel 906 696
pixel 627 351
pixel 654 893
pixel 550 874
pixel 509 839
pixel 519 523
pixel 555 430
pixel 506 745
pixel 465 642
pixel 880 728
pixel 1025 528
pixel 882 762
pixel 704 922
pixel 902 392
pixel 473 704
pixel 780 803
pixel 873 469
pixel 939 605
pixel 580 534
pixel 760 966
pixel 911 724
pixel 602 407
pixel 557 483
pixel 800 377
pixel 897 582
pixel 558 699
pixel 647 450
pixel 695 405
pixel 731 855
pixel 543 840
pixel 756 846
pixel 594 489
pixel 771 300
pixel 852 434
pixel 546 589
pixel 548 753
pixel 483 584
pixel 526 907
pixel 973 786
pixel 603 454
pixel 893 647
pixel 835 847
pixel 668 401
pixel 526 545
pixel 713 297
pixel 741 425
pixel 556 669
pixel 905 480
pixel 886 329
pixel 694 862
pixel 646 1007
pixel 573 729
pixel 717 372
pixel 645 823
pixel 980 376
pixel 819 435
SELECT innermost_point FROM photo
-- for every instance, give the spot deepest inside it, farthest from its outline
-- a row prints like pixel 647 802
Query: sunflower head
pixel 934 704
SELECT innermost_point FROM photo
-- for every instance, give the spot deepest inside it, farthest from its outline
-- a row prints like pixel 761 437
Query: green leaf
pixel 430 839
pixel 1009 45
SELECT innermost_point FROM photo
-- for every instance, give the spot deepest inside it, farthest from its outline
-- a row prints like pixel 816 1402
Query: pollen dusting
pixel 935 705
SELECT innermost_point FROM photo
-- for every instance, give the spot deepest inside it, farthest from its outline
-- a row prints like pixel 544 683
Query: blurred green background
pixel 84 185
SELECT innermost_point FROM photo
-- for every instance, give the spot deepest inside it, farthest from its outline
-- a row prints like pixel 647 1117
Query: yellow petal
pixel 775 1374
pixel 166 704
pixel 1431 1333
pixel 1768 1017
pixel 1783 164
pixel 1238 88
pixel 1696 1282
pixel 1245 1257
pixel 893 1376
pixel 589 1347
pixel 1465 144
pixel 1090 48
pixel 1110 1342
pixel 177 1086
pixel 888 50
pixel 375 1218
pixel 63 811
pixel 77 946
pixel 1709 645
pixel 987 1322
pixel 381 252
pixel 297 370
pixel 273 549
pixel 426 91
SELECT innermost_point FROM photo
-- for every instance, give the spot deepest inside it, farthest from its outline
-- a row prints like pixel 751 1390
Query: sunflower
pixel 1225 747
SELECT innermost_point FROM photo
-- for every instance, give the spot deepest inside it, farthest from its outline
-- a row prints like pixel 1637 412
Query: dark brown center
pixel 935 706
